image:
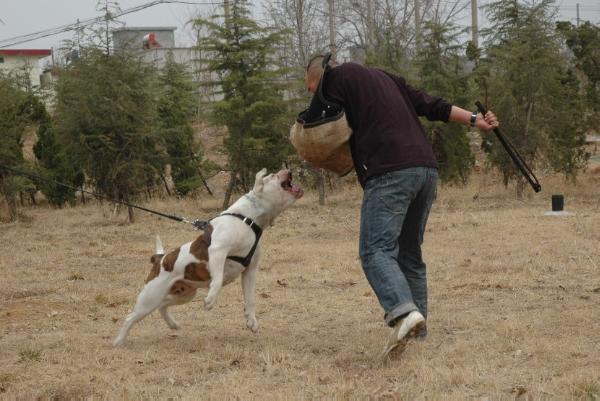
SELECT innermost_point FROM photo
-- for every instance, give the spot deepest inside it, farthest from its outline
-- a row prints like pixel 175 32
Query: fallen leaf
pixel 282 283
pixel 265 295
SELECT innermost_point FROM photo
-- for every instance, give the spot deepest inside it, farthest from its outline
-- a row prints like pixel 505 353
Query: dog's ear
pixel 258 183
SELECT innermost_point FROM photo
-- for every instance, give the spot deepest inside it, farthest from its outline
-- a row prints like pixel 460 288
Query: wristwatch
pixel 473 119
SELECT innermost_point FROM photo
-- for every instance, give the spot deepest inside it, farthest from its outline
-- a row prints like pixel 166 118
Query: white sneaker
pixel 402 331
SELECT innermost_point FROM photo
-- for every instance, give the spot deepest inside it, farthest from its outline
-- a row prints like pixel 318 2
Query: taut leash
pixel 198 224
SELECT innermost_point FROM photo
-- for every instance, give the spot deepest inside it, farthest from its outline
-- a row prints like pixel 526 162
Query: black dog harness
pixel 257 231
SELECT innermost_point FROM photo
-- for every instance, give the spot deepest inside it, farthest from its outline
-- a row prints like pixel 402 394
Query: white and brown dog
pixel 228 247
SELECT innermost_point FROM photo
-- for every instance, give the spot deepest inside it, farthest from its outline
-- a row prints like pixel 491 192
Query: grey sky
pixel 21 17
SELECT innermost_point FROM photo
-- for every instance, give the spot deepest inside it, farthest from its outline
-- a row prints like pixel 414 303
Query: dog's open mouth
pixel 290 187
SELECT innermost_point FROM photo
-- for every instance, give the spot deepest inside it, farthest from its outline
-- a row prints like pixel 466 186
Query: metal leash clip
pixel 199 224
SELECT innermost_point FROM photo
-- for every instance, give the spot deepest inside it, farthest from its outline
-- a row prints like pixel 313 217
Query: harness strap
pixel 257 231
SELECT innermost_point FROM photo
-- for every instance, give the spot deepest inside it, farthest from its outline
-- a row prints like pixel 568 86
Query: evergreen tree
pixel 530 90
pixel 55 165
pixel 564 139
pixel 442 73
pixel 584 42
pixel 252 107
pixel 12 128
pixel 176 108
pixel 105 114
pixel 19 107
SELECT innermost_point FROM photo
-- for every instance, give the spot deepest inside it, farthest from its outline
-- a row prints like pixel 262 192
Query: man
pixel 397 169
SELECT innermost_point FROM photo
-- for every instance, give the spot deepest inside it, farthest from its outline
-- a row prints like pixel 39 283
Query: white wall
pixel 16 63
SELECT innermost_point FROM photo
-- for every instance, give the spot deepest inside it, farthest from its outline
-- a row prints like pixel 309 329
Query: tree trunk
pixel 519 189
pixel 164 180
pixel 11 207
pixel 230 186
pixel 82 195
pixel 205 183
pixel 130 214
pixel 127 199
pixel 300 26
pixel 417 11
pixel 332 44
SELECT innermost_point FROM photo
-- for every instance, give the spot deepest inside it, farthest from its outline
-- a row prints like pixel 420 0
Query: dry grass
pixel 514 306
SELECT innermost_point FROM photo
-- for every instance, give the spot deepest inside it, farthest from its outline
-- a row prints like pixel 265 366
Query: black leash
pixel 514 155
pixel 198 224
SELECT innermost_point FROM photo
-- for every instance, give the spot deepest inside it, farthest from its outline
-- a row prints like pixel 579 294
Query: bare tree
pixel 307 34
pixel 385 30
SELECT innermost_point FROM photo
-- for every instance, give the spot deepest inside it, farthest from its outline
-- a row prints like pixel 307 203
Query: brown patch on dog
pixel 197 272
pixel 169 260
pixel 169 263
pixel 155 270
pixel 199 248
pixel 193 271
pixel 181 288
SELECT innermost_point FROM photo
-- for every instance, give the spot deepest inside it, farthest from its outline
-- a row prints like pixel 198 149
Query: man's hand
pixel 463 116
pixel 487 122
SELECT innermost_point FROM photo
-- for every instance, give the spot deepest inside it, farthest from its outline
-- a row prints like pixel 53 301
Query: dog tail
pixel 159 250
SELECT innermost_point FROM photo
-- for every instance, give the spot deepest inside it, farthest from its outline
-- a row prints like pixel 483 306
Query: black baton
pixel 514 155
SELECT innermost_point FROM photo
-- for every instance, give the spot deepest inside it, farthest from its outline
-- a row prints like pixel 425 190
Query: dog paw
pixel 252 324
pixel 209 302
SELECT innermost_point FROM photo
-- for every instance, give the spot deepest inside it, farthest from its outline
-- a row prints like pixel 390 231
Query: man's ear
pixel 258 183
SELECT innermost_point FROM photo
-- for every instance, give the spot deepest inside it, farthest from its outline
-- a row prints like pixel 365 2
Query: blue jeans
pixel 393 218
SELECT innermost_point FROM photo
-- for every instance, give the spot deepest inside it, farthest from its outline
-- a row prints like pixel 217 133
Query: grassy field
pixel 514 306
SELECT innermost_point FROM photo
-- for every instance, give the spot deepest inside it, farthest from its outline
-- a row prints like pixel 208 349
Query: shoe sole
pixel 399 346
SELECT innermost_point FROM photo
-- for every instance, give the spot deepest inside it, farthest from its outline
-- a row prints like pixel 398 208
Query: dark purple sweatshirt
pixel 382 110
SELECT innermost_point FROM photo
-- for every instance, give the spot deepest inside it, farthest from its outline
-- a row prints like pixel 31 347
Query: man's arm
pixel 465 117
pixel 432 107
